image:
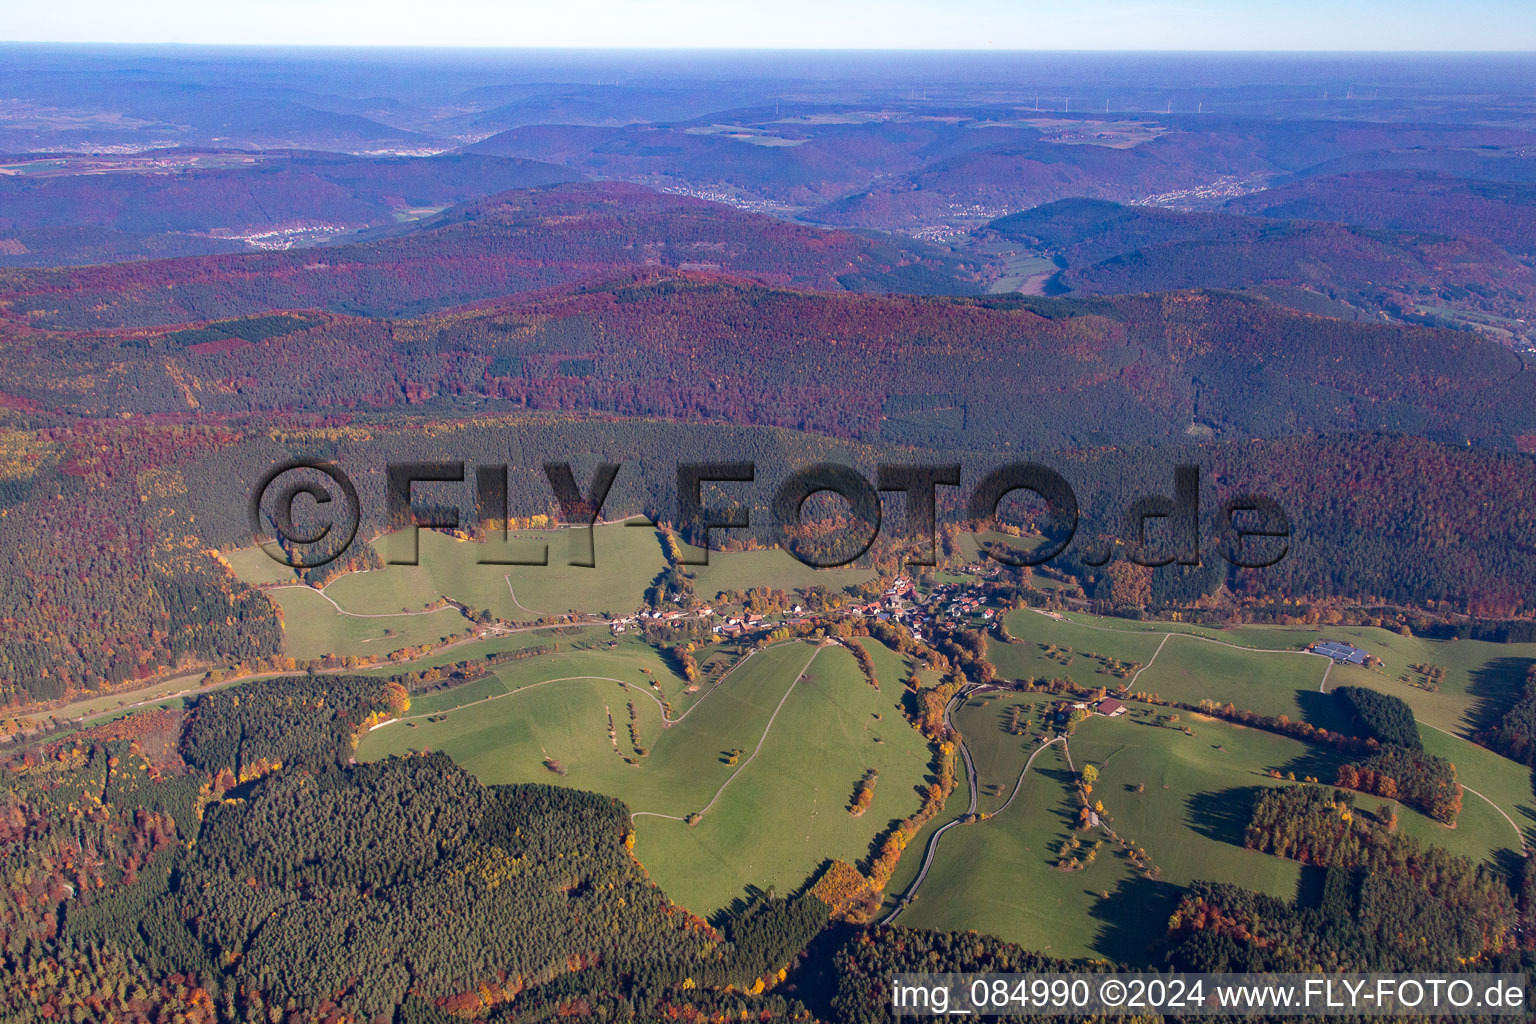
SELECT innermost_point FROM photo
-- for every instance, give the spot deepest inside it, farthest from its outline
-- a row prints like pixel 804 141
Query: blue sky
pixel 886 24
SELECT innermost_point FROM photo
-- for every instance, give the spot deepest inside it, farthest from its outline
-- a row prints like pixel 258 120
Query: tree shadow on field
pixel 1511 863
pixel 750 894
pixel 1321 763
pixel 1064 807
pixel 1325 711
pixel 1135 920
pixel 1494 686
pixel 1223 815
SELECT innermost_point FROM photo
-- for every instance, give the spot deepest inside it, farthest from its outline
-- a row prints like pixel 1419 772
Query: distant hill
pixel 105 210
pixel 1315 265
pixel 790 165
pixel 987 182
pixel 1496 158
pixel 514 242
pixel 890 167
pixel 1503 212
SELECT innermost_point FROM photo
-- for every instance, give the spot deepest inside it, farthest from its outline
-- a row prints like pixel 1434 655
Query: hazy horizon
pixel 1307 26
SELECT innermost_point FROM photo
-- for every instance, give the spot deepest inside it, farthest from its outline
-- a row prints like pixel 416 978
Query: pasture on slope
pixel 1264 669
pixel 996 877
pixel 805 721
pixel 766 567
pixel 383 610
pixel 1195 794
pixel 1481 677
pixel 314 627
pixel 627 560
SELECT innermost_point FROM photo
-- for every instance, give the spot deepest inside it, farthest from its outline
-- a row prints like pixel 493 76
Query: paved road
pixel 970 811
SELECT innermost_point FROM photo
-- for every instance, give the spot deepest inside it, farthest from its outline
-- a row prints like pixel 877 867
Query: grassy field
pixel 1192 669
pixel 1079 648
pixel 771 817
pixel 313 627
pixel 998 754
pixel 778 806
pixel 567 638
pixel 380 611
pixel 253 566
pixel 1498 779
pixel 774 567
pixel 912 858
pixel 627 560
pixel 1199 790
pixel 996 877
pixel 1481 678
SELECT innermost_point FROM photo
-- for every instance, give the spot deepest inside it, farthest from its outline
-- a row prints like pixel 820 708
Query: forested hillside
pixel 210 202
pixel 1110 249
pixel 518 241
pixel 237 877
pixel 1502 212
pixel 129 597
pixel 973 373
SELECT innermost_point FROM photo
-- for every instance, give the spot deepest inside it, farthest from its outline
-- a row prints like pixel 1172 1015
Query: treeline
pixel 1515 734
pixel 135 594
pixel 863 965
pixel 1417 779
pixel 337 892
pixel 443 677
pixel 1382 716
pixel 1423 904
pixel 296 721
pixel 118 586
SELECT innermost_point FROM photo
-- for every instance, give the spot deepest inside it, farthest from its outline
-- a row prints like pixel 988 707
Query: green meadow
pixel 770 757
pixel 1184 799
pixel 1480 678
pixel 313 627
pixel 383 610
pixel 627 560
pixel 769 567
pixel 1060 647
pixel 997 877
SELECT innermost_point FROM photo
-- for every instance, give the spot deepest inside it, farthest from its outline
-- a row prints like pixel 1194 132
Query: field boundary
pixel 363 615
pixel 755 750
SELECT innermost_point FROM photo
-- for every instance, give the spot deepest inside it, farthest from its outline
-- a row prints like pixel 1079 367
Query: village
pixel 948 605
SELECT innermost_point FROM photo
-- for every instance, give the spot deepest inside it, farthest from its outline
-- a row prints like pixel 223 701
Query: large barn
pixel 1340 652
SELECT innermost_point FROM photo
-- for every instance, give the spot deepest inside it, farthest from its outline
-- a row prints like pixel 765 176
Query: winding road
pixel 970 811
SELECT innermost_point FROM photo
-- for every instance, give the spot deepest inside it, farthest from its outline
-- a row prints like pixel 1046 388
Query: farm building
pixel 1109 707
pixel 1342 653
